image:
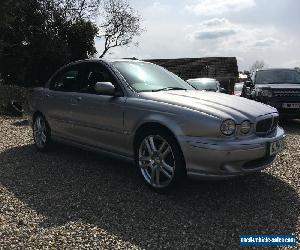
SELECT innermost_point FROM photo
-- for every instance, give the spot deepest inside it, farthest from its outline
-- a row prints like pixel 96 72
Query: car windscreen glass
pixel 204 85
pixel 147 77
pixel 277 76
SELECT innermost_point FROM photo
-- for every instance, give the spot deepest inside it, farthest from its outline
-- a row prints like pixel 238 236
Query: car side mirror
pixel 248 83
pixel 105 88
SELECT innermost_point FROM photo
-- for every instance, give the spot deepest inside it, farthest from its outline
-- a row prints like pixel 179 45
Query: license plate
pixel 291 105
pixel 276 147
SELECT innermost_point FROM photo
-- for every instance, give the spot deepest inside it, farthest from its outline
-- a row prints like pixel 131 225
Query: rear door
pixel 98 119
pixel 59 97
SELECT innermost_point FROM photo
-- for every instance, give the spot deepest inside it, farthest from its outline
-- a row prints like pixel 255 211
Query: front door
pixel 59 100
pixel 98 119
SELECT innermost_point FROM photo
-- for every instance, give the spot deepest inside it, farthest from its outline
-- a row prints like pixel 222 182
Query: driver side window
pixel 67 80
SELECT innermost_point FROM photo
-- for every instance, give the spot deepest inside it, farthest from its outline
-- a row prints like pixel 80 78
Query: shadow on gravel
pixel 291 126
pixel 21 123
pixel 72 185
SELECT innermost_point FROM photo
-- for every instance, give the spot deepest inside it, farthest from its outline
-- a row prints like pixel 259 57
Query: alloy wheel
pixel 156 161
pixel 40 132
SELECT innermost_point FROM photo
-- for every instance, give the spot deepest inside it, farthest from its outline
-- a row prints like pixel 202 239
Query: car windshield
pixel 208 85
pixel 277 76
pixel 147 77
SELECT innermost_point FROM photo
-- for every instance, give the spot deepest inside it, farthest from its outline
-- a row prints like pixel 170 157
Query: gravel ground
pixel 73 199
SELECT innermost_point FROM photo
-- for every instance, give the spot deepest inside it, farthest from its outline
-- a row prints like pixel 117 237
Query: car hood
pixel 279 86
pixel 216 104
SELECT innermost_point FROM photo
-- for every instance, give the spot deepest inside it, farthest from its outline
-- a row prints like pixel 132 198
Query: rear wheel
pixel 41 133
pixel 160 159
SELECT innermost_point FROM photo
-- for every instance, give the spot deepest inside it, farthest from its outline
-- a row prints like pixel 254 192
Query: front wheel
pixel 41 133
pixel 160 160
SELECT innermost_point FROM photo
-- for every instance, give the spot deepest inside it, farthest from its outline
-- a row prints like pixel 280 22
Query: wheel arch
pixel 152 125
pixel 36 113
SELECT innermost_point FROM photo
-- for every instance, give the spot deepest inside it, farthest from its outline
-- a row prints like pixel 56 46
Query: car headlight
pixel 228 127
pixel 265 93
pixel 245 127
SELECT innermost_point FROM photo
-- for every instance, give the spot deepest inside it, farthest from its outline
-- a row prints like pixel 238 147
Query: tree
pixel 82 9
pixel 40 36
pixel 257 65
pixel 120 24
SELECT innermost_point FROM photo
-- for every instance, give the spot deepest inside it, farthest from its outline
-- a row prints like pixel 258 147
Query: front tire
pixel 160 160
pixel 41 133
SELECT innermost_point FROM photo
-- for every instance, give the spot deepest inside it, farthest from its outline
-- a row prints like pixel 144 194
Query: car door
pixel 59 97
pixel 98 119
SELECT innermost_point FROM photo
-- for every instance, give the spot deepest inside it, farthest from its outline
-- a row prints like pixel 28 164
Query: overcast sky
pixel 251 30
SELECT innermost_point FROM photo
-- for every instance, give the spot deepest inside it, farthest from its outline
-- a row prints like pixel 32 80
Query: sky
pixel 250 30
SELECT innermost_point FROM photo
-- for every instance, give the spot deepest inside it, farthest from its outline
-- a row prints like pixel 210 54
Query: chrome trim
pixel 286 93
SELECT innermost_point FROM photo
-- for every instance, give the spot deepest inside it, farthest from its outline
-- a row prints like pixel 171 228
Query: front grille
pixel 264 126
pixel 267 126
pixel 287 93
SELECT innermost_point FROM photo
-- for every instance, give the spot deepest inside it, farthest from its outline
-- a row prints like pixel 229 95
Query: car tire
pixel 41 133
pixel 160 160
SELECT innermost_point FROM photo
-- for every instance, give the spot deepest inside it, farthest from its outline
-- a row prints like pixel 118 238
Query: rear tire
pixel 41 133
pixel 159 159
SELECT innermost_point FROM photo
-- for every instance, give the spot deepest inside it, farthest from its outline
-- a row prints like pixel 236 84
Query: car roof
pixel 109 60
pixel 275 69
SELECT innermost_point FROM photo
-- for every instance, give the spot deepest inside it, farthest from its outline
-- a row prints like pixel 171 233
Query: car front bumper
pixel 284 112
pixel 215 159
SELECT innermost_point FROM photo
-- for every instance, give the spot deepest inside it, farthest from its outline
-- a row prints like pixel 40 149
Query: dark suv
pixel 279 88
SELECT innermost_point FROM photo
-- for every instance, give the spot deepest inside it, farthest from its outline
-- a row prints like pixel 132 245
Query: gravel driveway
pixel 69 198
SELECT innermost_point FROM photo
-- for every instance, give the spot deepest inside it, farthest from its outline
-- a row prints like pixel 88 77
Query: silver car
pixel 145 113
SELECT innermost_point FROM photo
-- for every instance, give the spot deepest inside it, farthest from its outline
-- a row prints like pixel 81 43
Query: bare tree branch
pixel 257 65
pixel 120 25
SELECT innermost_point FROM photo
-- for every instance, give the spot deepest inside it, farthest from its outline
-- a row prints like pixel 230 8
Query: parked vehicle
pixel 141 111
pixel 238 88
pixel 241 89
pixel 279 88
pixel 206 84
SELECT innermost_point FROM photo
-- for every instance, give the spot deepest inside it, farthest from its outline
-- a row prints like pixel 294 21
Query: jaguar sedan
pixel 145 113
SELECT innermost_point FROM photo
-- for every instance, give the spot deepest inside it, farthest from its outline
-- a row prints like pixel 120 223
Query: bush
pixel 10 99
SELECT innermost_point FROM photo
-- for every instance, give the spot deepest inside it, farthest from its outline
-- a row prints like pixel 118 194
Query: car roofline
pixel 275 69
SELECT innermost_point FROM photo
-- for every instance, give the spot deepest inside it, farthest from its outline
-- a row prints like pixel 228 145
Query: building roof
pixel 210 67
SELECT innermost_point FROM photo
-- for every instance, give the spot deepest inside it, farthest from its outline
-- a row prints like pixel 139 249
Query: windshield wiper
pixel 168 88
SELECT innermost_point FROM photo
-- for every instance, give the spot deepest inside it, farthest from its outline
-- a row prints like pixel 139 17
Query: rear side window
pixel 68 80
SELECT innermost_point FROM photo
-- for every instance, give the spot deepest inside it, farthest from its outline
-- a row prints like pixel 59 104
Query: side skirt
pixel 92 149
